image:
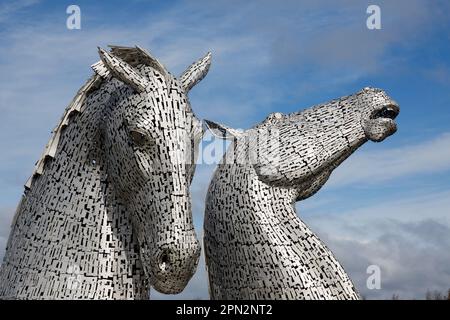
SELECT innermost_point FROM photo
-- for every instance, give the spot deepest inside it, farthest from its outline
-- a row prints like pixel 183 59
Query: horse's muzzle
pixel 173 266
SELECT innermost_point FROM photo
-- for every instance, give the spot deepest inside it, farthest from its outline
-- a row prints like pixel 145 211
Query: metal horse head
pixel 251 198
pixel 301 149
pixel 151 136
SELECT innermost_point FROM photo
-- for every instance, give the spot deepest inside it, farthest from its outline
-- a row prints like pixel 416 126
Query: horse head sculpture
pixel 151 136
pixel 110 195
pixel 304 147
pixel 256 247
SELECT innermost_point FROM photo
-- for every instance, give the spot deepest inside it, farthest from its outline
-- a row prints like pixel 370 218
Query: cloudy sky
pixel 388 205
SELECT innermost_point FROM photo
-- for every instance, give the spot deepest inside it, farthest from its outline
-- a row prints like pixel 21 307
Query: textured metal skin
pixel 256 247
pixel 107 212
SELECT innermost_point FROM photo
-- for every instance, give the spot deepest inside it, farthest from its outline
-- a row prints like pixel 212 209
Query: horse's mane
pixel 133 56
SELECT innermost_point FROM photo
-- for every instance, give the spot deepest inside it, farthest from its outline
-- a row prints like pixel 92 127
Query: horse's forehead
pixel 159 100
pixel 150 115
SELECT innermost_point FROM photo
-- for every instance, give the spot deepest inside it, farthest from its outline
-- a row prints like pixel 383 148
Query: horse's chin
pixel 379 129
pixel 168 286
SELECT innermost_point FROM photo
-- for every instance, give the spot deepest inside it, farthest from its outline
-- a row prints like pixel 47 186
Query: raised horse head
pixel 301 149
pixel 251 197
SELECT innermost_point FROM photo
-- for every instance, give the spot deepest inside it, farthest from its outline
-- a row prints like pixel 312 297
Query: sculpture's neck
pixel 278 202
pixel 268 211
pixel 256 225
pixel 254 199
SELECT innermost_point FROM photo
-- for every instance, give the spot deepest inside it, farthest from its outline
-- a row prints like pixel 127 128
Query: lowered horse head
pixel 151 136
pixel 300 150
pixel 109 198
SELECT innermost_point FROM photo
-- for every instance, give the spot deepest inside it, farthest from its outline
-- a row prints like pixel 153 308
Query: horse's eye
pixel 139 139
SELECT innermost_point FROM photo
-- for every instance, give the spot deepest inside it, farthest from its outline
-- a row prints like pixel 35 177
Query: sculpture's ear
pixel 123 71
pixel 195 72
pixel 221 131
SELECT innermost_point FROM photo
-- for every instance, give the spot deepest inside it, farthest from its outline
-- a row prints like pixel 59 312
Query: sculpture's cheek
pixel 311 186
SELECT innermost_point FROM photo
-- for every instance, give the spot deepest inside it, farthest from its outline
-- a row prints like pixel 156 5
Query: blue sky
pixel 389 204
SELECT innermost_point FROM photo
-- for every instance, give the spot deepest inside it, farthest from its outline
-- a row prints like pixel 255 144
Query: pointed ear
pixel 123 71
pixel 195 73
pixel 221 131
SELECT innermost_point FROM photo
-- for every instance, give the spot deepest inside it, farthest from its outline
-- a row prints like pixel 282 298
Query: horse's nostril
pixel 170 259
pixel 164 261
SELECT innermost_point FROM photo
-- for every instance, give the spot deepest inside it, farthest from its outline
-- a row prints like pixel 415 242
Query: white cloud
pixel 406 269
pixel 407 238
pixel 9 8
pixel 387 164
pixel 409 208
pixel 413 257
pixel 333 39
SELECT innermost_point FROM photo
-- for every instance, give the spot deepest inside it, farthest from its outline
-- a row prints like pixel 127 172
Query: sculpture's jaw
pixel 381 124
pixel 168 287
